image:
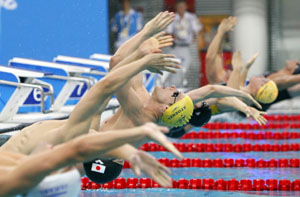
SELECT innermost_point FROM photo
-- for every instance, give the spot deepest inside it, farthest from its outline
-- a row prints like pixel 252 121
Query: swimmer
pixel 268 89
pixel 262 89
pixel 46 172
pixel 86 114
pixel 287 80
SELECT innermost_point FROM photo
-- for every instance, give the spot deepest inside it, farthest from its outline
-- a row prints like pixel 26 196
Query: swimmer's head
pixel 255 83
pixel 178 107
pixel 267 93
pixel 103 170
pixel 164 95
pixel 263 89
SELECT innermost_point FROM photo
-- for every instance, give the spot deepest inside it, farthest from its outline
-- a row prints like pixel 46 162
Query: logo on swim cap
pixel 179 113
pixel 267 93
pixel 98 167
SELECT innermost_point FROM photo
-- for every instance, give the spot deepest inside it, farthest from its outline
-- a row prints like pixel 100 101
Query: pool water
pixel 217 173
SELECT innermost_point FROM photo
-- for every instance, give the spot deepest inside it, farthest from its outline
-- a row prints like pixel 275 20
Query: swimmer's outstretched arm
pixel 246 68
pixel 214 62
pixel 32 169
pixel 149 46
pixel 154 26
pixel 237 63
pixel 285 81
pixel 218 91
pixel 230 104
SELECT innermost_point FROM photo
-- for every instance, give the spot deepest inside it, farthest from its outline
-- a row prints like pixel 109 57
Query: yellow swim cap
pixel 267 93
pixel 179 113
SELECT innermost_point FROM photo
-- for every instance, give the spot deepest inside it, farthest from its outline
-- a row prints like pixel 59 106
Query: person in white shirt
pixel 184 29
pixel 126 23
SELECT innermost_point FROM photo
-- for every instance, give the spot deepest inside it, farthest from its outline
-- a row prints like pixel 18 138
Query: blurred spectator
pixel 184 29
pixel 126 23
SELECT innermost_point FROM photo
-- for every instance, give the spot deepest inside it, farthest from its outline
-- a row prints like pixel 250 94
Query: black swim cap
pixel 201 115
pixel 103 170
pixel 176 132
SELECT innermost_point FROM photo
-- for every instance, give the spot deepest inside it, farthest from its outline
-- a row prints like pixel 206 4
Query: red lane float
pixel 283 117
pixel 218 147
pixel 270 125
pixel 206 184
pixel 244 135
pixel 227 163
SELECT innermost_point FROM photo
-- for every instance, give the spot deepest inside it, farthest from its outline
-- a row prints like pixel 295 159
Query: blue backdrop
pixel 42 29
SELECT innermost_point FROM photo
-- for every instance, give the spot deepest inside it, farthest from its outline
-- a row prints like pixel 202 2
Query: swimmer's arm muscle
pixel 214 61
pixel 234 79
pixel 285 81
pixel 218 91
pixel 212 91
pixel 230 104
pixel 245 70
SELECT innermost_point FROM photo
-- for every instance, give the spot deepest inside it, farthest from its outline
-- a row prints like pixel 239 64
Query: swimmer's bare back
pixel 21 142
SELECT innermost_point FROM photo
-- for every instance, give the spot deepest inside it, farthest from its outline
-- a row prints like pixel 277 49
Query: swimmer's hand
pixel 155 44
pixel 251 61
pixel 155 133
pixel 146 163
pixel 161 62
pixel 227 24
pixel 256 115
pixel 158 23
pixel 291 65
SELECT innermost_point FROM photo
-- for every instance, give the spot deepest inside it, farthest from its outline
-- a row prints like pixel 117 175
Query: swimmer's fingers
pixel 155 70
pixel 161 179
pixel 159 23
pixel 136 170
pixel 165 42
pixel 159 35
pixel 251 61
pixel 164 15
pixel 166 19
pixel 163 129
pixel 164 168
pixel 151 167
pixel 135 162
pixel 254 102
pixel 163 38
pixel 258 120
pixel 161 174
pixel 167 179
pixel 168 56
pixel 263 113
pixel 156 135
pixel 257 115
pixel 165 45
pixel 169 70
pixel 263 119
pixel 171 65
pixel 170 147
